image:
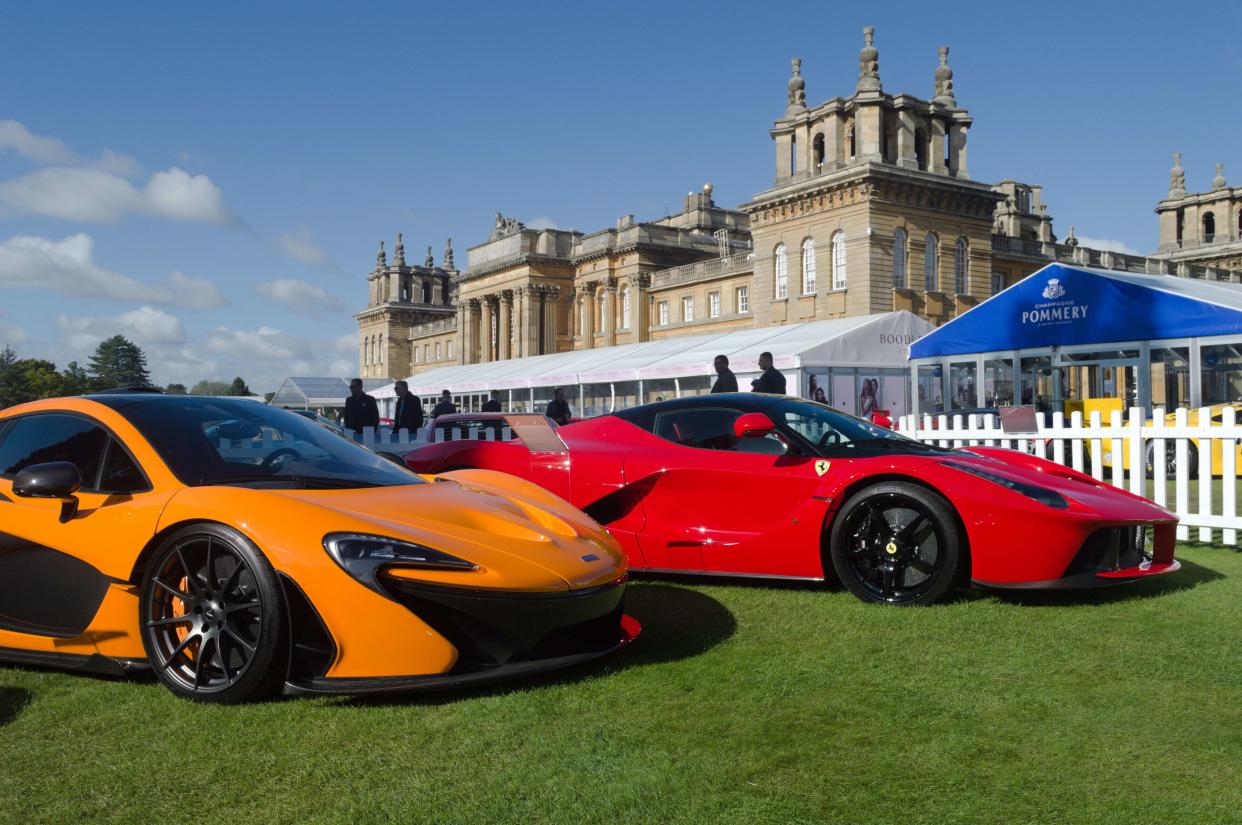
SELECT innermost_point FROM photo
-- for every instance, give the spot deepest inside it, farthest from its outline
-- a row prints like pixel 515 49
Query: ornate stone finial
pixel 381 259
pixel 398 252
pixel 448 254
pixel 944 80
pixel 797 90
pixel 869 63
pixel 429 261
pixel 1218 182
pixel 708 188
pixel 1177 178
pixel 1071 240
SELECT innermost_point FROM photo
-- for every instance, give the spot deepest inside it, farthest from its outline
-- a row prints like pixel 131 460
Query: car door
pixel 55 575
pixel 714 503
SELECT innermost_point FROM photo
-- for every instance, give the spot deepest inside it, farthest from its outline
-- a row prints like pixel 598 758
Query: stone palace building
pixel 871 208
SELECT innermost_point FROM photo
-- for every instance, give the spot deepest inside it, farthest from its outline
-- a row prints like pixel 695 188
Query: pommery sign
pixel 1057 307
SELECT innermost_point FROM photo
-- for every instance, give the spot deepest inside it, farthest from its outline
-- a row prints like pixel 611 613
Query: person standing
pixel 446 405
pixel 558 408
pixel 492 404
pixel 771 380
pixel 409 412
pixel 361 411
pixel 726 381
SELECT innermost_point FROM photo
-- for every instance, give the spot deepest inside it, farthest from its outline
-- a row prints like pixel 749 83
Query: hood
pixel 519 545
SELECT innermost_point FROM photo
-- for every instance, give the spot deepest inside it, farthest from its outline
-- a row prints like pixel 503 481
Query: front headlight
pixel 1051 498
pixel 361 556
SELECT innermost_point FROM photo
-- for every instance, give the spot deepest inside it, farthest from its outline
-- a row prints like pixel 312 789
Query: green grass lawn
pixel 740 704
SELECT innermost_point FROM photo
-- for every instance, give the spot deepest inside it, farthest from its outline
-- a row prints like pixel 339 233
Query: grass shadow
pixel 678 623
pixel 1189 577
pixel 12 702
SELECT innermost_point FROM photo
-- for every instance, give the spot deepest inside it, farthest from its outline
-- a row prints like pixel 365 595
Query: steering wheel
pixel 275 456
pixel 829 438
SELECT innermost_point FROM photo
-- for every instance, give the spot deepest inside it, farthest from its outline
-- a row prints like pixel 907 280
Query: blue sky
pixel 214 185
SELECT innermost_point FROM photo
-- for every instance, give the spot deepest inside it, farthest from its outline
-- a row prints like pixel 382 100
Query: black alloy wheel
pixel 1170 460
pixel 213 617
pixel 897 543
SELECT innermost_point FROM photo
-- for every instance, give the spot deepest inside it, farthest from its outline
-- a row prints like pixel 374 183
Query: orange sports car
pixel 238 550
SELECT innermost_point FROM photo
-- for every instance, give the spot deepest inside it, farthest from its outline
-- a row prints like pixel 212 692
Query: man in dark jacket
pixel 360 409
pixel 409 412
pixel 771 381
pixel 492 404
pixel 558 408
pixel 726 381
pixel 446 405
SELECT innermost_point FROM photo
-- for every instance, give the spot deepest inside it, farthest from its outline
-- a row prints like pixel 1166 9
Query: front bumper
pixel 499 635
pixel 1110 555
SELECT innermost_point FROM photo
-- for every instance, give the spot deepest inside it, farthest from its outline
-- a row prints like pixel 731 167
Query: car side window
pixel 711 428
pixel 40 438
pixel 120 473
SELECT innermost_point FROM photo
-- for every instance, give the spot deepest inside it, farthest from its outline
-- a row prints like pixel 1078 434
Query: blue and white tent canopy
pixel 1064 305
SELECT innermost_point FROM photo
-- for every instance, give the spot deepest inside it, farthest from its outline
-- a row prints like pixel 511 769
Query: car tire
pixel 897 543
pixel 1170 453
pixel 213 618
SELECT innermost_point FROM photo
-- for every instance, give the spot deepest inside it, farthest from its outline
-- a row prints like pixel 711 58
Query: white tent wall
pixel 599 380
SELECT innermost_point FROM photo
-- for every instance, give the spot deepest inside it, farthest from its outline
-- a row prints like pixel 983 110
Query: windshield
pixel 219 441
pixel 832 431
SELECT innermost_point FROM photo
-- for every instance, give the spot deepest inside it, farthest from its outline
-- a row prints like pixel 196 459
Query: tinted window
pixel 220 441
pixel 120 473
pixel 37 439
pixel 711 428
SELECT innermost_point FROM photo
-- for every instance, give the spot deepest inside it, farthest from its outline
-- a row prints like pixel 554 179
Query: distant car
pixel 321 420
pixel 237 550
pixel 746 484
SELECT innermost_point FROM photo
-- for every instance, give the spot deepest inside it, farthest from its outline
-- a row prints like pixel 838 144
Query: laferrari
pixel 746 484
pixel 238 551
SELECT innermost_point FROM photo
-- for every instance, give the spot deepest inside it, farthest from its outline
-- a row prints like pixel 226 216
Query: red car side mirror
pixel 753 425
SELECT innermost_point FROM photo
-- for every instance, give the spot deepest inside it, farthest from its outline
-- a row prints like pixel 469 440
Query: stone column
pixel 639 300
pixel 485 329
pixel 610 312
pixel 519 321
pixel 868 132
pixel 957 150
pixel 550 306
pixel 833 131
pixel 467 331
pixel 588 316
pixel 506 315
pixel 935 161
pixel 906 126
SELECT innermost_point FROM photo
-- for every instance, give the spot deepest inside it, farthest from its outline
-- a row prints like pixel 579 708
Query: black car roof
pixel 745 401
pixel 119 399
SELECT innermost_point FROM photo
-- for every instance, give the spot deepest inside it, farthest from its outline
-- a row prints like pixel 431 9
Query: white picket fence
pixel 1097 449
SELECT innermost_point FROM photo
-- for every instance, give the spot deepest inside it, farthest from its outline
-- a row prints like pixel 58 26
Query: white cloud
pixel 68 267
pixel 301 297
pixel 542 222
pixel 194 293
pixel 267 355
pixel 301 247
pixel 37 148
pixel 145 326
pixel 1107 245
pixel 95 195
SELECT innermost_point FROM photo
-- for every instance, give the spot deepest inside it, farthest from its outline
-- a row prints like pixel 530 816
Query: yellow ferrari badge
pixel 822 466
pixel 891 548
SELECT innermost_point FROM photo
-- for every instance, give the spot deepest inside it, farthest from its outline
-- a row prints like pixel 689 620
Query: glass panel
pixel 1221 373
pixel 962 385
pixel 596 399
pixel 1170 377
pixel 998 382
pixel 627 394
pixel 661 389
pixel 1101 355
pixel 844 391
pixel 931 397
pixel 894 392
pixel 695 385
pixel 1038 388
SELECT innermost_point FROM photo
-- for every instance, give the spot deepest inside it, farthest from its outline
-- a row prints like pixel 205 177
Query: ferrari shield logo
pixel 822 466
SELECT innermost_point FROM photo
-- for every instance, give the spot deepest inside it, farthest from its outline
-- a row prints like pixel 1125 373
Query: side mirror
pixel 753 425
pixel 55 479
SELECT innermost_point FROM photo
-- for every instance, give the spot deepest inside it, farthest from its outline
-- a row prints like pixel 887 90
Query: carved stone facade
pixel 1203 228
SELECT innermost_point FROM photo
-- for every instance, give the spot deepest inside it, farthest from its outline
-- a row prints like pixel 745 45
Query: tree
pixel 175 389
pixel 238 387
pixel 9 380
pixel 74 379
pixel 119 362
pixel 206 387
pixel 38 379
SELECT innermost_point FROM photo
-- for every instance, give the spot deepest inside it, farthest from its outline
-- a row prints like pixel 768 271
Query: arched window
pixel 781 270
pixel 1209 227
pixel 960 267
pixel 603 308
pixel 931 263
pixel 793 154
pixel 380 359
pixel 427 292
pixel 920 148
pixel 817 149
pixel 625 308
pixel 849 138
pixel 899 258
pixel 838 260
pixel 808 267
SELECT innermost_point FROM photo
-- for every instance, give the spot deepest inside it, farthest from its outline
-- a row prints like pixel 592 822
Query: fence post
pixel 1058 437
pixel 1159 459
pixel 1228 475
pixel 944 425
pixel 1138 467
pixel 1040 450
pixel 1076 443
pixel 1203 421
pixel 989 426
pixel 1181 484
pixel 1116 453
pixel 1096 448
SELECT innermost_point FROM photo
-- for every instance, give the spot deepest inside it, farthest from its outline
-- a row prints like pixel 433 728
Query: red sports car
pixel 759 485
